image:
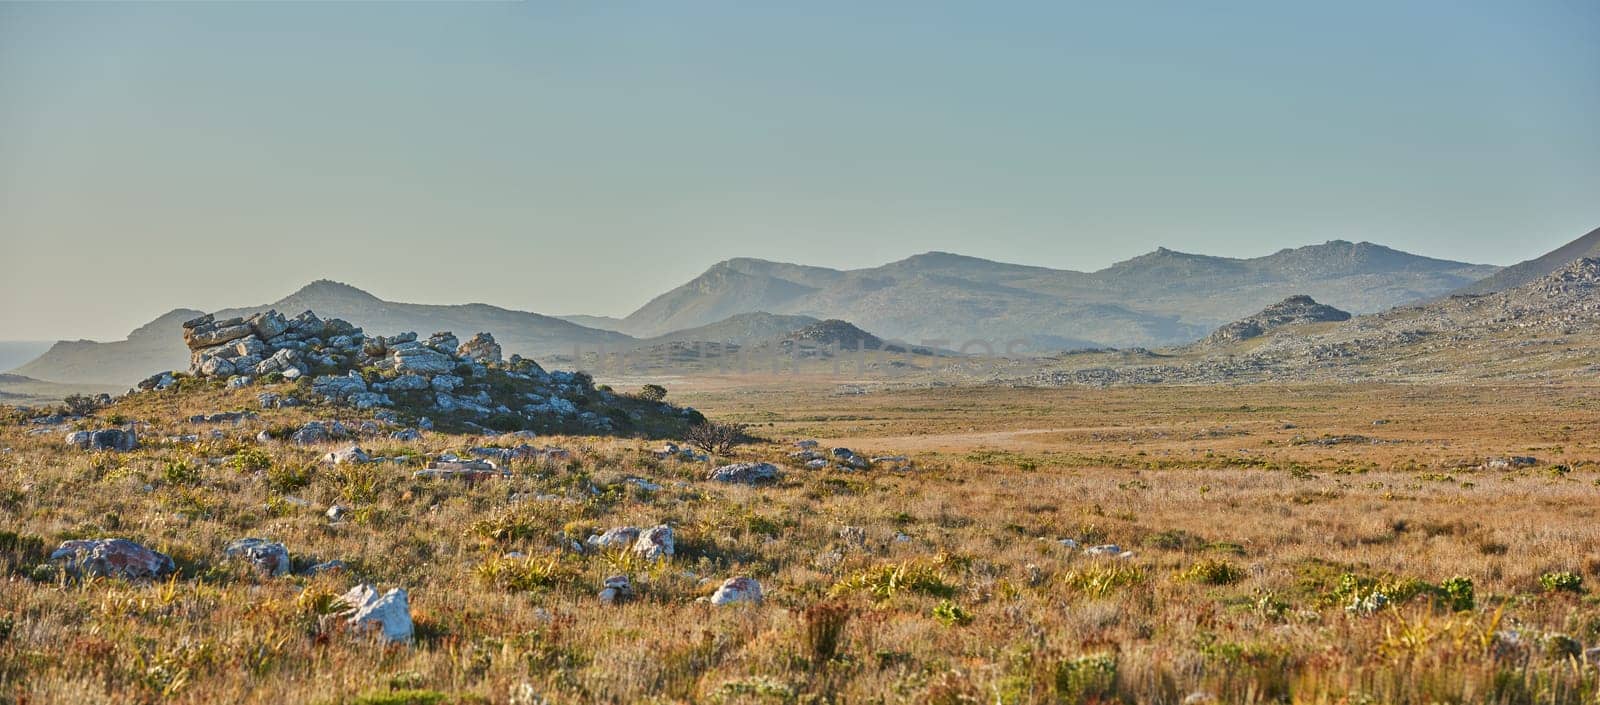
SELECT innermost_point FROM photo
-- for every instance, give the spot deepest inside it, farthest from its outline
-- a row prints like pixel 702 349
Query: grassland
pixel 1261 522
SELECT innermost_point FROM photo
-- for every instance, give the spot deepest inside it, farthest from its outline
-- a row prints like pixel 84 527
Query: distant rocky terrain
pixel 1295 310
pixel 1164 297
pixel 1547 329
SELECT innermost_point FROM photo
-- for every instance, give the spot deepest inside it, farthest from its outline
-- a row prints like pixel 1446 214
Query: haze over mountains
pixel 1158 299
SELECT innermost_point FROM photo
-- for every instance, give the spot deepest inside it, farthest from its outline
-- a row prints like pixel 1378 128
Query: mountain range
pixel 1164 297
pixel 1158 299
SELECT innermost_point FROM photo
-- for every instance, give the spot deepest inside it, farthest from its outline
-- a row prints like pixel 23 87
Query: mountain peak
pixel 328 288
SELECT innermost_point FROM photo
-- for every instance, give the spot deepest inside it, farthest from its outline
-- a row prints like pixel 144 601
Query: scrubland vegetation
pixel 1305 545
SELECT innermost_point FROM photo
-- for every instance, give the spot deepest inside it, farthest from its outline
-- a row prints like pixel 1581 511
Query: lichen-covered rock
pixel 746 473
pixel 117 558
pixel 339 387
pixel 269 324
pixel 388 614
pixel 267 557
pixel 736 590
pixel 654 543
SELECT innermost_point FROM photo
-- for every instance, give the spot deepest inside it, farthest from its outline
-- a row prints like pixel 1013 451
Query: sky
pixel 582 157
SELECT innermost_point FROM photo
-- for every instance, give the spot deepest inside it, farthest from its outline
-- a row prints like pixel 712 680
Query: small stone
pixel 735 590
pixel 747 473
pixel 654 543
pixel 268 557
pixel 615 590
pixel 388 613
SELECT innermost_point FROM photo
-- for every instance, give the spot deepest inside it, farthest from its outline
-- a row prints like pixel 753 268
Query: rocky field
pixel 1267 544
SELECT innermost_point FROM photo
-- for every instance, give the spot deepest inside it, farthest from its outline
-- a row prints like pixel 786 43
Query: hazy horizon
pixel 581 159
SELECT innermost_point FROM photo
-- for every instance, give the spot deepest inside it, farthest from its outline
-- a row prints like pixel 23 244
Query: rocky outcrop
pixel 1294 310
pixel 104 439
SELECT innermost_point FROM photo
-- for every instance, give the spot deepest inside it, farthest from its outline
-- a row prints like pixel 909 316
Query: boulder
pixel 216 367
pixel 735 590
pixel 616 589
pixel 117 558
pixel 615 537
pixel 422 361
pixel 216 333
pixel 352 454
pixel 407 383
pixel 104 439
pixel 443 341
pixel 480 348
pixel 654 543
pixel 268 557
pixel 339 387
pixel 269 324
pixel 388 613
pixel 746 473
pixel 369 400
pixel 464 469
pixel 312 432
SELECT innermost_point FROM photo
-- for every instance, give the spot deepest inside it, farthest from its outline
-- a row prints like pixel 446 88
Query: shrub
pixel 180 473
pixel 250 460
pixel 284 480
pixel 1458 593
pixel 1212 571
pixel 80 404
pixel 716 438
pixel 951 614
pixel 652 392
pixel 1087 679
pixel 1561 581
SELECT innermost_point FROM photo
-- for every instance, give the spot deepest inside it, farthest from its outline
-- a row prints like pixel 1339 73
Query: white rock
pixel 735 590
pixel 390 611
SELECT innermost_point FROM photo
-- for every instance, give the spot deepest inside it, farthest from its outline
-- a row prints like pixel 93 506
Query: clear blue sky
pixel 584 156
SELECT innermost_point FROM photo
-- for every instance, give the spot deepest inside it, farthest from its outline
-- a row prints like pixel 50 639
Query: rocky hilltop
pixel 309 359
pixel 1294 310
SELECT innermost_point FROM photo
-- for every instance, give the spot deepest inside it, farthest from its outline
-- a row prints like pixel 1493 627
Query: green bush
pixel 1087 679
pixel 1458 593
pixel 1212 571
pixel 652 392
pixel 1561 581
pixel 951 614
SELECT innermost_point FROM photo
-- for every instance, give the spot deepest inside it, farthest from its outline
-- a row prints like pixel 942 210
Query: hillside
pixel 26 391
pixel 1527 271
pixel 1165 297
pixel 157 345
pixel 740 329
pixel 1547 329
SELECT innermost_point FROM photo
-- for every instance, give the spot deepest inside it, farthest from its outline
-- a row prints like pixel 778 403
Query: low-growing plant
pixel 1087 679
pixel 1212 571
pixel 1098 581
pixel 824 630
pixel 885 581
pixel 951 614
pixel 250 460
pixel 1458 593
pixel 1561 581
pixel 523 574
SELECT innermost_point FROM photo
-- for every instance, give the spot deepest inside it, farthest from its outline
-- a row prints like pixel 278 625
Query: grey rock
pixel 747 473
pixel 480 348
pixel 737 590
pixel 654 543
pixel 268 557
pixel 118 558
pixel 388 614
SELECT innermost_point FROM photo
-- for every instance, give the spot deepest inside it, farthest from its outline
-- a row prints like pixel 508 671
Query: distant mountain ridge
pixel 1164 297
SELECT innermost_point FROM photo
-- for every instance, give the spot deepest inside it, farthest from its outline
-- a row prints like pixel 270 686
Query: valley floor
pixel 1318 544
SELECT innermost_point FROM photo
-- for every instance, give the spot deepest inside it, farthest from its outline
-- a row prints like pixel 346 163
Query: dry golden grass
pixel 955 589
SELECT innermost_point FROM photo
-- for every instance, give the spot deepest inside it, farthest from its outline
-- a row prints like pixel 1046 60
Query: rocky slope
pixel 1164 297
pixel 1530 270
